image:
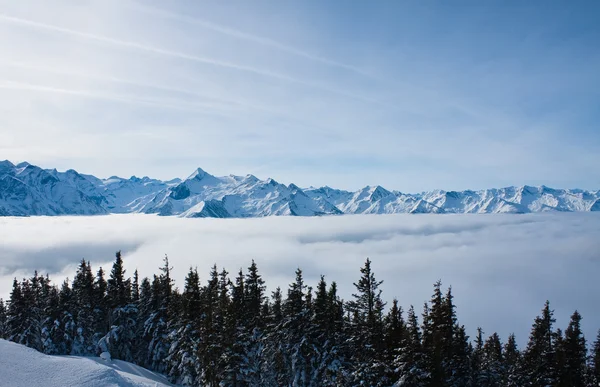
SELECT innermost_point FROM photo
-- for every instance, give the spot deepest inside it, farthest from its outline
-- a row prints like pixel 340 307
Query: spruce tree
pixel 15 315
pixel 117 290
pixel 512 363
pixel 183 363
pixel 492 366
pixel 573 349
pixel 2 320
pixel 101 309
pixel 83 306
pixel 51 330
pixel 395 335
pixel 410 362
pixel 539 356
pixel 367 335
pixel 593 374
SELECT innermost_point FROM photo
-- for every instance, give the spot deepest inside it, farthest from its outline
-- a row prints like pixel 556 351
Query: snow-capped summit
pixel 26 189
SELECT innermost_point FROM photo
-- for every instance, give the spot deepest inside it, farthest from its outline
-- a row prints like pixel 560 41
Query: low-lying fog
pixel 501 267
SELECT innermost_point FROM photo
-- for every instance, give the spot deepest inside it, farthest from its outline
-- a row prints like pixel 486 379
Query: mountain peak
pixel 199 174
pixel 6 164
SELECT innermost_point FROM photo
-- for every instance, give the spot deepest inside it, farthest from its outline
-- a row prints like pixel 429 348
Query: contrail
pixel 223 101
pixel 252 38
pixel 180 55
pixel 196 107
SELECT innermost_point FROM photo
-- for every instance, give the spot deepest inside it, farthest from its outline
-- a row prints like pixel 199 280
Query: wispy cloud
pixel 182 55
pixel 196 107
pixel 251 38
pixel 501 268
pixel 321 94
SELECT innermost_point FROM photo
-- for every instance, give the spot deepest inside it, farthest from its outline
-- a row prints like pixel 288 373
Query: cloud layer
pixel 501 268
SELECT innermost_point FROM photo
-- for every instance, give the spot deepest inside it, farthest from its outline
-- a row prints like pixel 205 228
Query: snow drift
pixel 25 367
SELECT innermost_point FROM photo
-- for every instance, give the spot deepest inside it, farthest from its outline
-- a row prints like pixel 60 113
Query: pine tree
pixel 395 335
pixel 51 330
pixel 210 331
pixel 236 329
pixel 441 339
pixel 492 365
pixel 255 295
pixel 83 304
pixel 156 327
pixel 367 329
pixel 117 290
pixel 574 351
pixel 67 327
pixel 145 308
pixel 410 362
pixel 539 356
pixel 184 367
pixel 15 315
pixel 135 287
pixel 477 360
pixel 101 309
pixel 593 374
pixel 3 328
pixel 512 363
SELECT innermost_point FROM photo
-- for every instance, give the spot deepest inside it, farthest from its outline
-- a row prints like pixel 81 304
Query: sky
pixel 410 95
pixel 502 268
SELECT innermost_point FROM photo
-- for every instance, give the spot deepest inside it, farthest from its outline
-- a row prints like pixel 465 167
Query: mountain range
pixel 28 190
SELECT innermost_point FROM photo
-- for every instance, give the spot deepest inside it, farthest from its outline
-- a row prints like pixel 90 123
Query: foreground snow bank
pixel 22 366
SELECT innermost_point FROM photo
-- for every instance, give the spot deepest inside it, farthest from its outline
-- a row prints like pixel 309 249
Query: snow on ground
pixel 24 367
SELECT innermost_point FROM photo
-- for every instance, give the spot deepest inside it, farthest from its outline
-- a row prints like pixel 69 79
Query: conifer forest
pixel 230 331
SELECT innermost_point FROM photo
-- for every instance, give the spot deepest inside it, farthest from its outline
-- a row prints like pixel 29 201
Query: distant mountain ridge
pixel 28 190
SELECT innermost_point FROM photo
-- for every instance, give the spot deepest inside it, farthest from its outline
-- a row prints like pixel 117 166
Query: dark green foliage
pixel 221 333
pixel 3 329
pixel 573 353
pixel 539 357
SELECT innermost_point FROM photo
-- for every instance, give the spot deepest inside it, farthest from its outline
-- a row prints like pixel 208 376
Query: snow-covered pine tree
pixel 65 331
pixel 83 302
pixel 210 349
pixel 101 310
pixel 574 353
pixel 539 355
pixel 24 325
pixel 15 313
pixel 252 333
pixel 477 355
pixel 183 363
pixel 439 324
pixel 156 327
pixel 142 342
pixel 235 328
pixel 51 330
pixel 395 336
pixel 512 363
pixel 367 337
pixel 410 362
pixel 2 319
pixel 461 373
pixel 492 366
pixel 120 339
pixel 593 372
pixel 224 321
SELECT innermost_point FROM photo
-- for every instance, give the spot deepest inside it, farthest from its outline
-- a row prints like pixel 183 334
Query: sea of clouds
pixel 502 268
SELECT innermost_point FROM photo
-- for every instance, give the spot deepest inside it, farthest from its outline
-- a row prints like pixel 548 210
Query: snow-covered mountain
pixel 26 190
pixel 22 366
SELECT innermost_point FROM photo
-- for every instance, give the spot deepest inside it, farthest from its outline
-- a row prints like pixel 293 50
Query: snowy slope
pixel 25 367
pixel 29 190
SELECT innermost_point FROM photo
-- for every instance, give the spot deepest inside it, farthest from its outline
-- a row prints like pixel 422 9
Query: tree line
pixel 224 332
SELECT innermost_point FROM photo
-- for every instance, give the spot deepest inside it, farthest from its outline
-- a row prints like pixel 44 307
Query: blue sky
pixel 410 95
